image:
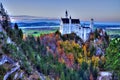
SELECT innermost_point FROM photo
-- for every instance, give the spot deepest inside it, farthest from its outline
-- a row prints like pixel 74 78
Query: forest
pixel 61 57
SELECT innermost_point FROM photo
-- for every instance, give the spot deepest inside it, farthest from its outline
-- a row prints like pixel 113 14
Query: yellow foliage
pixel 88 53
pixel 85 51
pixel 88 61
pixel 69 46
pixel 103 59
pixel 24 37
pixel 80 55
pixel 61 60
pixel 80 60
pixel 95 60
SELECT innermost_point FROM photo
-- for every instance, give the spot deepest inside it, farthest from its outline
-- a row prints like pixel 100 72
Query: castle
pixel 69 25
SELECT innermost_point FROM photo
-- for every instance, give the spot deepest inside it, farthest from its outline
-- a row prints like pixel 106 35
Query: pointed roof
pixel 65 20
pixel 92 19
pixel 66 14
pixel 75 21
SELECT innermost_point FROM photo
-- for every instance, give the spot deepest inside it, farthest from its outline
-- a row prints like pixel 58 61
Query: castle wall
pixel 65 29
pixel 76 28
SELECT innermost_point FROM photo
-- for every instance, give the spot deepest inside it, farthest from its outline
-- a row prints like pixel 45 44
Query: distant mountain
pixel 27 17
pixel 31 21
pixel 22 24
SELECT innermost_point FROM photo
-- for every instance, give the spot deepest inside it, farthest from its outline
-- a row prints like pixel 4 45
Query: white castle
pixel 69 25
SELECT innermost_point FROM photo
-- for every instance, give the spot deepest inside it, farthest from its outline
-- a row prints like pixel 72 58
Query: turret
pixel 92 24
pixel 70 24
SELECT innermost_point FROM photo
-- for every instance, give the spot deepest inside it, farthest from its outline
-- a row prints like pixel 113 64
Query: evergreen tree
pixel 62 76
pixel 16 26
pixel 96 34
pixel 20 34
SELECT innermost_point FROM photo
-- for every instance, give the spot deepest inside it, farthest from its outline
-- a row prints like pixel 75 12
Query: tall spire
pixel 70 24
pixel 92 23
pixel 66 14
pixel 70 16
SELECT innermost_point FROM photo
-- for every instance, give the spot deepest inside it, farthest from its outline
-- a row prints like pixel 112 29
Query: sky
pixel 99 10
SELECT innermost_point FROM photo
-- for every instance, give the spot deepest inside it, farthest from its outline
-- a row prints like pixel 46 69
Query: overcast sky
pixel 100 10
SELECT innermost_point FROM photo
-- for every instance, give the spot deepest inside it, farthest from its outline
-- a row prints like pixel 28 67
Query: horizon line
pixel 43 17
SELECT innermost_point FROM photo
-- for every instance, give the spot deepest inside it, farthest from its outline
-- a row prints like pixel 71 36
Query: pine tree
pixel 16 26
pixel 20 34
pixel 62 76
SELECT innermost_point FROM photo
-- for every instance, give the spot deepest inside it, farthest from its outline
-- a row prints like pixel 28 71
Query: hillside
pixel 56 57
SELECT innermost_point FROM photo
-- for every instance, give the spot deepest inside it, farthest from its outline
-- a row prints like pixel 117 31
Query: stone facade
pixel 69 25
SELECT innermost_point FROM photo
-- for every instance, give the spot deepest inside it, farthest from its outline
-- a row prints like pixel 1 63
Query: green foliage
pixel 71 36
pixel 84 66
pixel 107 38
pixel 96 34
pixel 33 54
pixel 9 48
pixel 37 32
pixel 58 32
pixel 95 73
pixel 16 34
pixel 20 33
pixel 26 66
pixel 62 76
pixel 2 72
pixel 16 26
pixel 92 51
pixel 86 75
pixel 113 56
pixel 3 38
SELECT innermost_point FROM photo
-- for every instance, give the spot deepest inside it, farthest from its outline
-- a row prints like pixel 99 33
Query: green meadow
pixel 38 32
pixel 113 31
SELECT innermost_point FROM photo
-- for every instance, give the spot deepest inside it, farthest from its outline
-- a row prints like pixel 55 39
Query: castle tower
pixel 92 24
pixel 70 24
pixel 66 14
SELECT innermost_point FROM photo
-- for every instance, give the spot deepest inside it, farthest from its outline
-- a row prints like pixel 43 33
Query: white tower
pixel 84 33
pixel 70 25
pixel 91 24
